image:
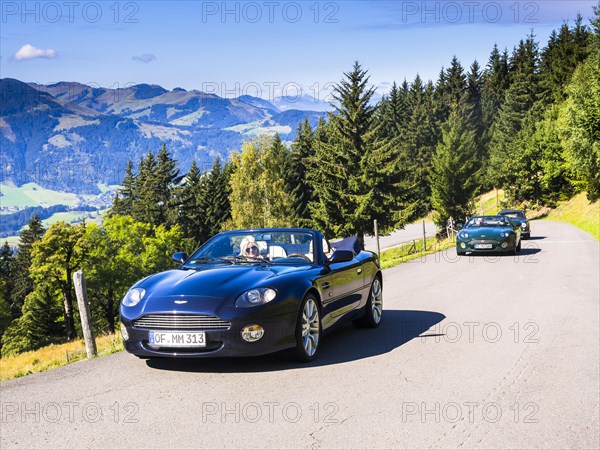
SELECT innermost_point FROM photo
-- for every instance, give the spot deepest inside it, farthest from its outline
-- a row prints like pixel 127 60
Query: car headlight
pixel 133 296
pixel 504 234
pixel 464 235
pixel 523 225
pixel 253 297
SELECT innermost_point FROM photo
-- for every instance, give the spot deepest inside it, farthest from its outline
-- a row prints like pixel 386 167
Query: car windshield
pixel 238 247
pixel 488 221
pixel 515 214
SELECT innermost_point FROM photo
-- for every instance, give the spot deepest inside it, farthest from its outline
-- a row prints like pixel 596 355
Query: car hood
pixel 213 281
pixel 485 232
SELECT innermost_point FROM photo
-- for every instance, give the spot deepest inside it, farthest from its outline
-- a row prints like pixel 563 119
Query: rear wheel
pixel 308 330
pixel 373 308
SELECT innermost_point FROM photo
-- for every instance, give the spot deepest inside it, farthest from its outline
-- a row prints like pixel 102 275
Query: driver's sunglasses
pixel 250 249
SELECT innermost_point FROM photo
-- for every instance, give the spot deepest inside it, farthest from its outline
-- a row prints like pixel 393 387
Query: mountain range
pixel 71 136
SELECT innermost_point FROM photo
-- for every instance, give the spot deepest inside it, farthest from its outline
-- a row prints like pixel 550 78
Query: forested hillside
pixel 527 121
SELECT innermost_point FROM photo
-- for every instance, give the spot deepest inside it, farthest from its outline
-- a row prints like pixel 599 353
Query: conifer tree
pixel 455 83
pixel 518 106
pixel 190 212
pixel 454 168
pixel 22 283
pixel 127 195
pixel 302 151
pixel 418 143
pixel 495 83
pixel 167 191
pixel 579 119
pixel 564 52
pixel 358 176
pixel 217 190
pixel 38 325
pixel 145 208
pixel 6 281
pixel 394 111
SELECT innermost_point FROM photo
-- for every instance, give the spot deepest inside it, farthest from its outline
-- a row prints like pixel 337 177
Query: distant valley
pixel 70 137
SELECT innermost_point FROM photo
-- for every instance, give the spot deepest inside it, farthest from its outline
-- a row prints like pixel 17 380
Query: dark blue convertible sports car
pixel 252 292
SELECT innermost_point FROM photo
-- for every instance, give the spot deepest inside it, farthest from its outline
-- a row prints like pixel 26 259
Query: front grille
pixel 181 322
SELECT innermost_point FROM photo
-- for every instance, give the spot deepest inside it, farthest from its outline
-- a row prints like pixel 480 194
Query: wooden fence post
pixel 84 313
pixel 377 237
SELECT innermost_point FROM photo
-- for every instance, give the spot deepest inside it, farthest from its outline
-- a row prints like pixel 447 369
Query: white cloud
pixel 28 51
pixel 145 58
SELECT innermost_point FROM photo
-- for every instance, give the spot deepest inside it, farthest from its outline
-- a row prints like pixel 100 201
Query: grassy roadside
pixel 54 356
pixel 412 250
pixel 580 212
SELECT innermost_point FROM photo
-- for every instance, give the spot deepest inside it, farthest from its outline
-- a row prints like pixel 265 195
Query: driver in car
pixel 249 247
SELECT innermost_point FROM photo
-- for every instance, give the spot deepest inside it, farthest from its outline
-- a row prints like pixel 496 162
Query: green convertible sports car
pixel 489 234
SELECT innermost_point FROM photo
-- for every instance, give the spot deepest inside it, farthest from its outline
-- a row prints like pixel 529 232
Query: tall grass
pixel 412 250
pixel 55 355
pixel 580 212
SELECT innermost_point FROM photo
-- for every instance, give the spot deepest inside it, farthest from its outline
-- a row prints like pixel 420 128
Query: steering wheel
pixel 299 255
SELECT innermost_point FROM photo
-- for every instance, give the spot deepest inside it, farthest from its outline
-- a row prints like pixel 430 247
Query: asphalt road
pixel 473 352
pixel 412 231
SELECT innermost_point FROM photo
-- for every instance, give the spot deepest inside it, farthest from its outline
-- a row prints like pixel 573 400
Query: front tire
pixel 373 308
pixel 308 330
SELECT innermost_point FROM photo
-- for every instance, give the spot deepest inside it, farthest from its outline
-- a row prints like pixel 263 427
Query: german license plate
pixel 482 246
pixel 170 339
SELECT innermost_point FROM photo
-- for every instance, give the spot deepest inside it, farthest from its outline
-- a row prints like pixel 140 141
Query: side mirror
pixel 180 257
pixel 341 256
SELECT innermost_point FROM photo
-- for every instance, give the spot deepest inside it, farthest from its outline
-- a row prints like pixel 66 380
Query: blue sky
pixel 262 47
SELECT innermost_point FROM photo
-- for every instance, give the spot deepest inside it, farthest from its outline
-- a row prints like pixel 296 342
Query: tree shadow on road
pixel 345 344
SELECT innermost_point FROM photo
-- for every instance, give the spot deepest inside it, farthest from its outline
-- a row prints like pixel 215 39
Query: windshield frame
pixel 231 241
pixel 513 214
pixel 472 223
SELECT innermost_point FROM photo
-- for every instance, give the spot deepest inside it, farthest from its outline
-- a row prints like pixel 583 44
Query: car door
pixel 346 280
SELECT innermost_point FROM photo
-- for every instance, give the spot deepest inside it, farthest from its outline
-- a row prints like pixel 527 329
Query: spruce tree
pixel 394 111
pixel 564 52
pixel 6 282
pixel 418 142
pixel 145 208
pixel 22 283
pixel 167 190
pixel 495 83
pixel 455 83
pixel 579 119
pixel 38 325
pixel 217 197
pixel 518 106
pixel 302 151
pixel 454 167
pixel 127 195
pixel 358 176
pixel 191 216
